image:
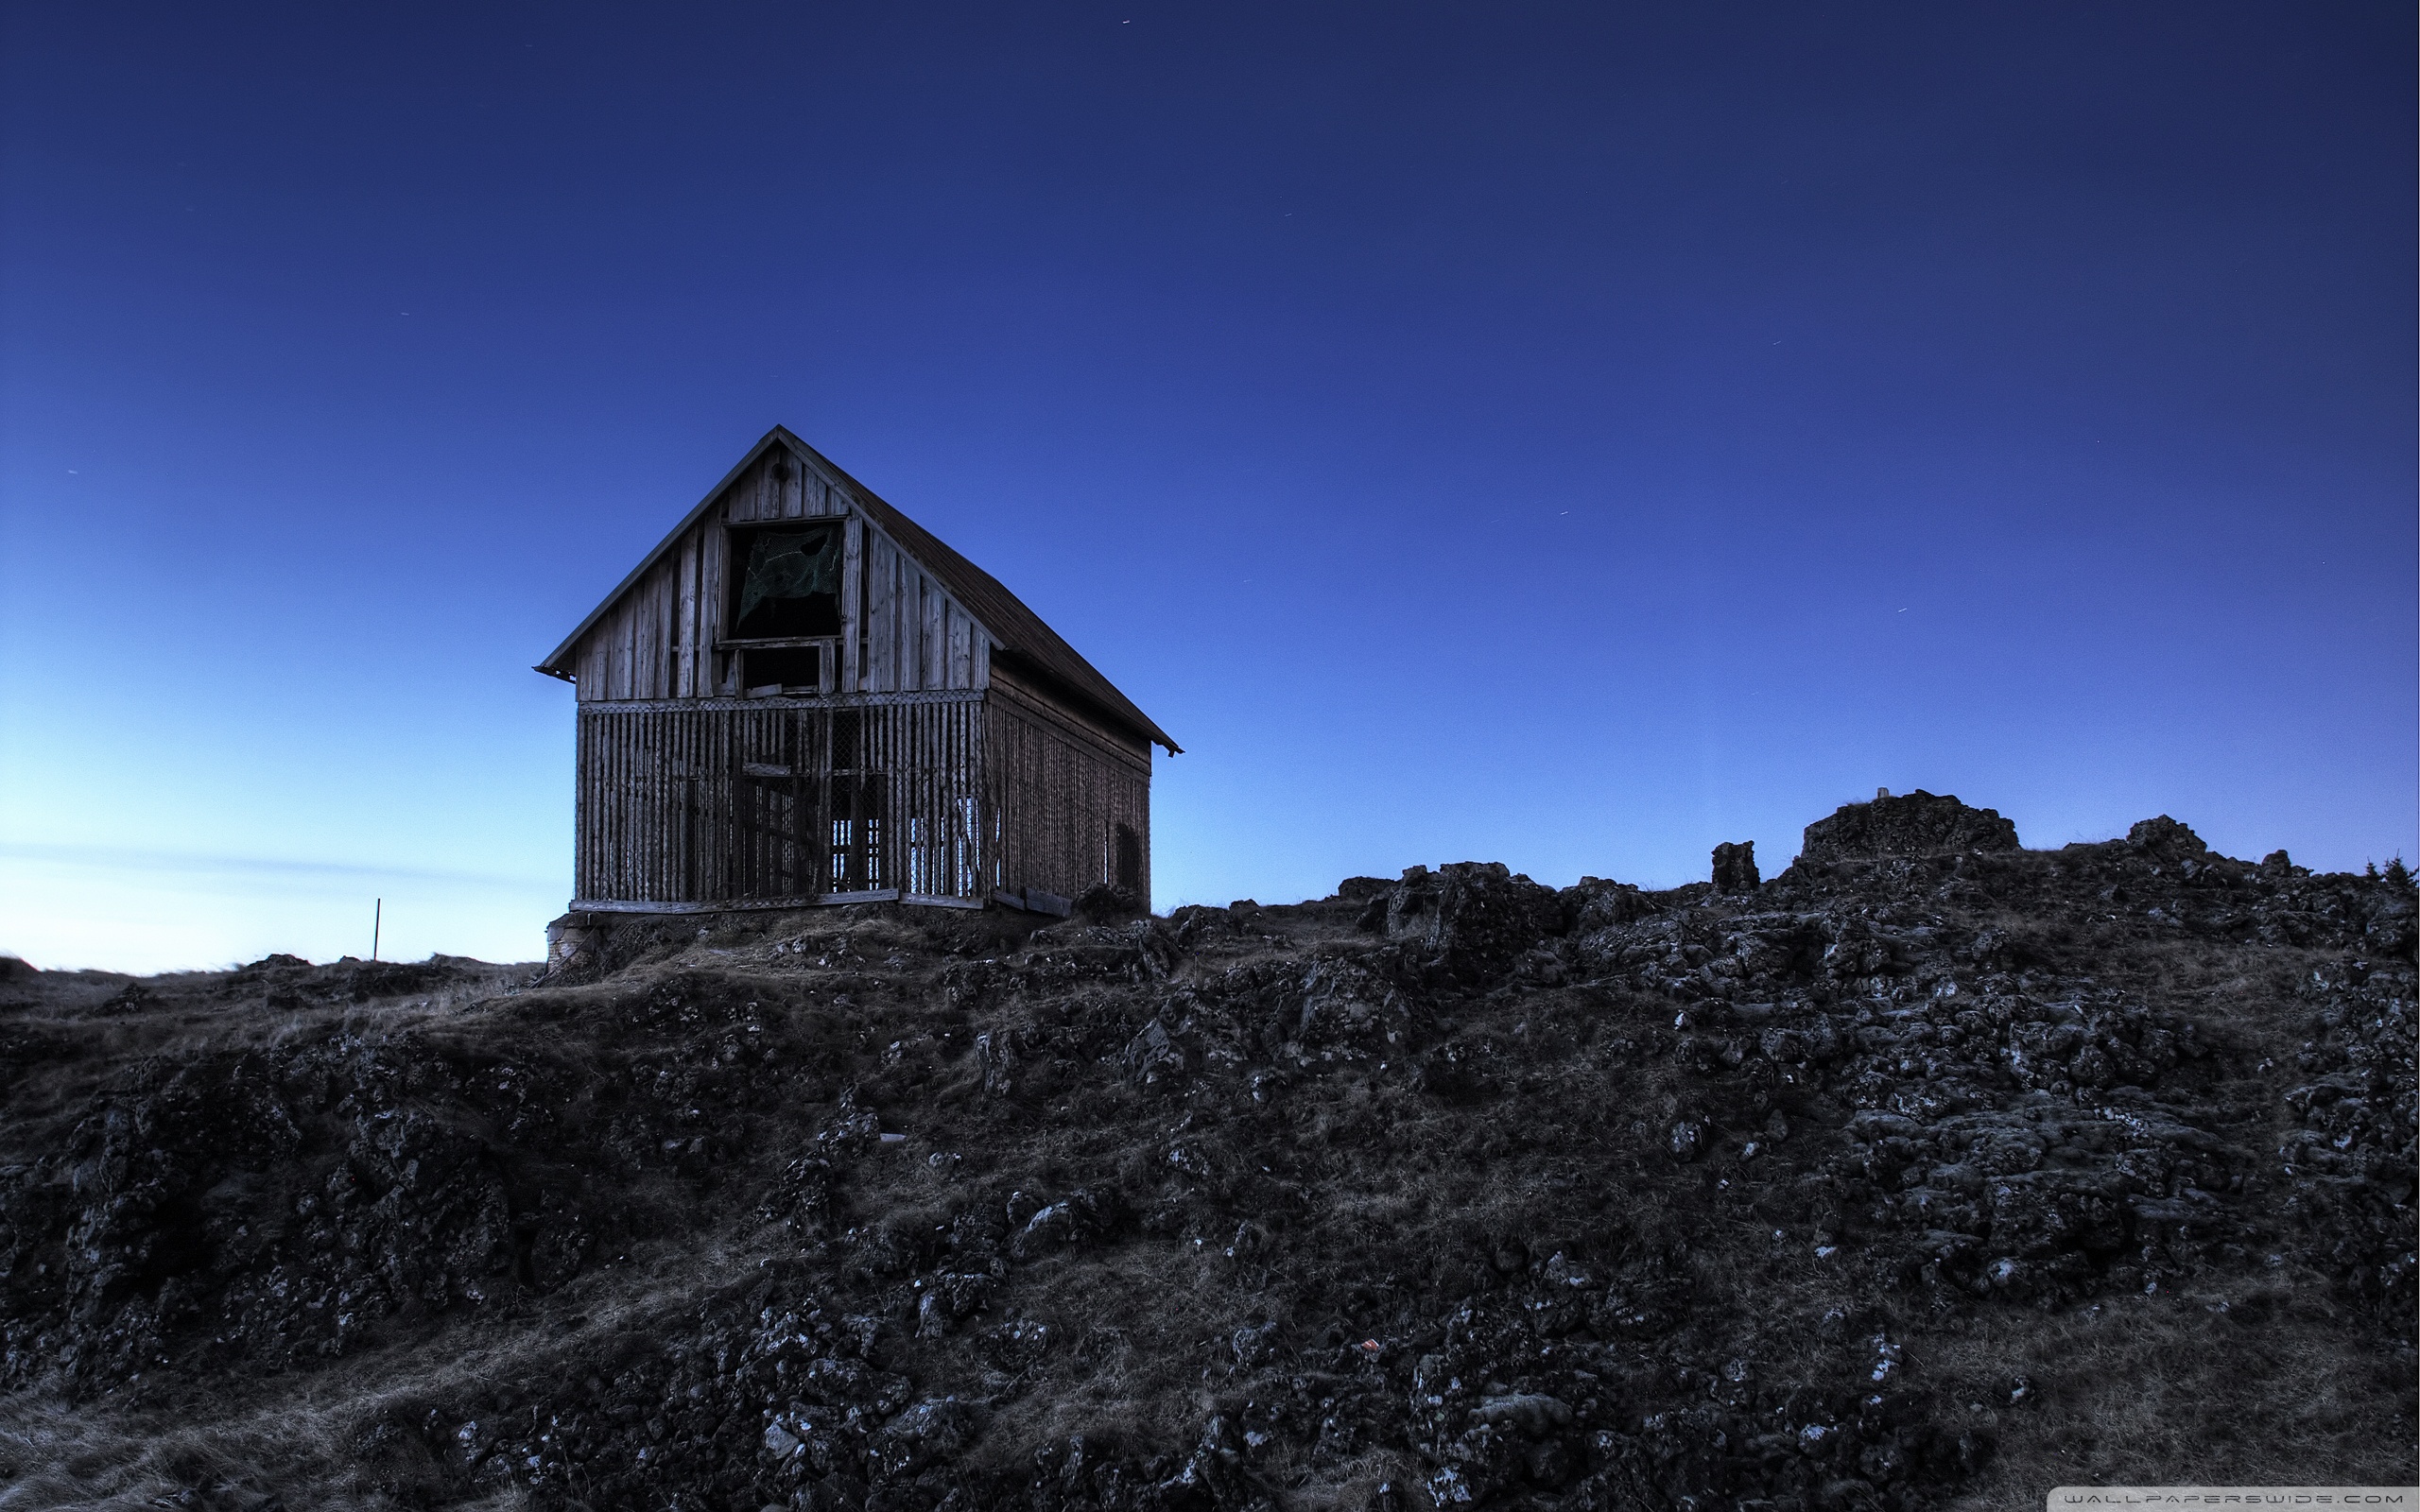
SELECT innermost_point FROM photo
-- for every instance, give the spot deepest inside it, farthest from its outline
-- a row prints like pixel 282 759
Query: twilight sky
pixel 1564 434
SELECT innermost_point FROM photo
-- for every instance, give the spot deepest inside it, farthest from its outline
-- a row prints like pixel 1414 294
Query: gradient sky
pixel 1564 434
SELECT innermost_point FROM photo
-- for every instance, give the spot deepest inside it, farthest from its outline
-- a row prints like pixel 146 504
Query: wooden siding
pixel 916 639
pixel 780 487
pixel 929 770
pixel 1059 792
pixel 900 630
pixel 689 801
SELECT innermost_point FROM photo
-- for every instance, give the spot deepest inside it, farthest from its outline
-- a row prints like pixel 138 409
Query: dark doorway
pixel 858 808
pixel 766 854
pixel 1129 861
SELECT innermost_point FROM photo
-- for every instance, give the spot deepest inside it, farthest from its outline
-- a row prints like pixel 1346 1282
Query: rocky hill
pixel 1931 1173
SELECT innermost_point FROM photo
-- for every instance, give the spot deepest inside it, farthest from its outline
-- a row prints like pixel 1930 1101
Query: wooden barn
pixel 801 696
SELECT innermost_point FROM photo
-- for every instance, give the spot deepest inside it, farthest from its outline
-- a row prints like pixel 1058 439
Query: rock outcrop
pixel 1882 1184
pixel 1912 824
pixel 1735 869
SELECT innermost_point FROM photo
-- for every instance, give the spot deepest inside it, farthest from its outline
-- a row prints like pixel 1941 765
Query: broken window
pixel 790 583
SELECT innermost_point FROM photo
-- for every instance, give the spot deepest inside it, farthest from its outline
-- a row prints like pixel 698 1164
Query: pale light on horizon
pixel 68 908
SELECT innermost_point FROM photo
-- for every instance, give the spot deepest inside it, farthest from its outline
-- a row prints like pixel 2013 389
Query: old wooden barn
pixel 801 696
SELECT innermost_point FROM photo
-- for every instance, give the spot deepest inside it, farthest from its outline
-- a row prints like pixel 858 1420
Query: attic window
pixel 789 584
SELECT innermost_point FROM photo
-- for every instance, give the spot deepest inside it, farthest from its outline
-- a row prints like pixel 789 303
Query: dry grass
pixel 2165 1391
pixel 310 1440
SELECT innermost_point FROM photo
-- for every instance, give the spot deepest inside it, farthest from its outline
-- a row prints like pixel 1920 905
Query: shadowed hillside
pixel 1931 1173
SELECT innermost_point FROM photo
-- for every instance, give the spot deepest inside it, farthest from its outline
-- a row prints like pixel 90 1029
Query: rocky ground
pixel 1931 1173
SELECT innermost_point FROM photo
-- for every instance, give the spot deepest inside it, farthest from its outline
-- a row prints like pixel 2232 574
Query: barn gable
pixel 913 614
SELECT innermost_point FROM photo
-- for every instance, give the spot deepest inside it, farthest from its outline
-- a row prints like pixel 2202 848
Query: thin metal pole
pixel 377 917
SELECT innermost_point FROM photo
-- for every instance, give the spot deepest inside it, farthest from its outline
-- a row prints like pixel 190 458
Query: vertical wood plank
pixel 647 750
pixel 919 766
pixel 668 676
pixel 962 655
pixel 626 652
pixel 685 679
pixel 714 547
pixel 931 641
pixel 615 660
pixel 668 673
pixel 668 623
pixel 596 882
pixel 661 731
pixel 714 815
pixel 659 618
pixel 644 627
pixel 676 634
pixel 852 608
pixel 602 733
pixel 610 759
pixel 583 808
pixel 882 614
pixel 606 633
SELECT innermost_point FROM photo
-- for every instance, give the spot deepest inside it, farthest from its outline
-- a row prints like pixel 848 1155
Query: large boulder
pixel 1474 917
pixel 2165 839
pixel 1915 824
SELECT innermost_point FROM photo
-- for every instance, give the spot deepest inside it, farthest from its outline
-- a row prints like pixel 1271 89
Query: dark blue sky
pixel 1571 436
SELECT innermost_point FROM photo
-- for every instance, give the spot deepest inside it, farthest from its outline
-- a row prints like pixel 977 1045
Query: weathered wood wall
pixel 688 802
pixel 900 632
pixel 929 770
pixel 1060 790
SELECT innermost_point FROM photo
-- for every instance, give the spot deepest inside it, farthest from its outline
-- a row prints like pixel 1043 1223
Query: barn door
pixel 774 794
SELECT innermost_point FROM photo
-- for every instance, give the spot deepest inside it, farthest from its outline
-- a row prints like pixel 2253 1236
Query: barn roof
pixel 1025 643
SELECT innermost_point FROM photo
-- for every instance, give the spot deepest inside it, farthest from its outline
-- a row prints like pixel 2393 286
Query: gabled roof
pixel 1028 645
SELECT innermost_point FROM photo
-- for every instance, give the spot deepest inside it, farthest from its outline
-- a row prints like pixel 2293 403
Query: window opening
pixel 790 585
pixel 790 668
